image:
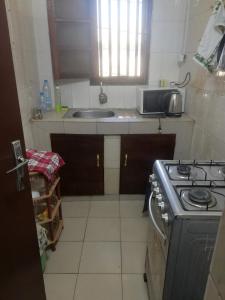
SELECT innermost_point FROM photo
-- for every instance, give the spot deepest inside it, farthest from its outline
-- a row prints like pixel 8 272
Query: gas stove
pixel 192 187
pixel 185 206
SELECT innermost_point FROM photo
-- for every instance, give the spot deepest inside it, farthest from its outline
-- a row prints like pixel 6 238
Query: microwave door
pixel 153 103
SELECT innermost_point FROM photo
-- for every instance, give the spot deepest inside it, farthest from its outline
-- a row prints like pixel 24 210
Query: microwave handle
pixel 153 219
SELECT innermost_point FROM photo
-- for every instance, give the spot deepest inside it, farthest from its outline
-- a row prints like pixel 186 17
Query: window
pixel 121 41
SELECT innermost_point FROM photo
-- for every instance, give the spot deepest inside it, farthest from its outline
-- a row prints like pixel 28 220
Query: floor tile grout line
pixel 74 293
pixel 105 217
pixel 75 286
pixel 121 253
pixel 100 273
pixel 104 241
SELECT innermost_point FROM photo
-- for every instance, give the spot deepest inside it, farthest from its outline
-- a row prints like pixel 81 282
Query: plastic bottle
pixel 42 102
pixel 47 94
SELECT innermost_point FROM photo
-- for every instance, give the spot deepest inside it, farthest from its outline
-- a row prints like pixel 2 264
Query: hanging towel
pixel 44 162
pixel 207 51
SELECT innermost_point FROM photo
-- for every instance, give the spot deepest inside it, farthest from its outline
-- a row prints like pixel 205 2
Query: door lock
pixel 20 164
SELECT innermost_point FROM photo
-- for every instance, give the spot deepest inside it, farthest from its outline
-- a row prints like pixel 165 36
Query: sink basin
pixel 93 114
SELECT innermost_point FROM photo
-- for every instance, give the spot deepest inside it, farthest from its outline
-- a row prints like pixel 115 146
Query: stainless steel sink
pixel 89 113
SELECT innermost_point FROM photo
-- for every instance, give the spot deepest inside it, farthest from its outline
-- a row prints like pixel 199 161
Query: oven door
pixel 156 252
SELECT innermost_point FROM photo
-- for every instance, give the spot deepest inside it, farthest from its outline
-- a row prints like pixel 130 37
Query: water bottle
pixel 42 102
pixel 47 95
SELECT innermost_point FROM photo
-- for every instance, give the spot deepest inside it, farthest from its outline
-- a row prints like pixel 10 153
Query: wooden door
pixel 21 275
pixel 83 173
pixel 138 153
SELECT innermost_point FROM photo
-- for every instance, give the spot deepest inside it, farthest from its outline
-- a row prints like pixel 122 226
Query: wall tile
pixel 168 10
pixel 143 127
pixel 206 94
pixel 66 95
pixel 111 181
pixel 112 128
pixel 80 127
pixel 81 94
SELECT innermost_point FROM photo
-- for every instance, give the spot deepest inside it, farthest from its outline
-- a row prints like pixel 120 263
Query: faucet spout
pixel 102 96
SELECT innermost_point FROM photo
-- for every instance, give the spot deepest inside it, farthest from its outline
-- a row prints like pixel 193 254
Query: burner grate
pixel 196 171
pixel 186 172
pixel 200 197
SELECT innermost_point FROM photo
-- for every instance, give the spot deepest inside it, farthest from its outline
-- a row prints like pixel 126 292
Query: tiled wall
pixel 41 34
pixel 112 164
pixel 24 56
pixel 206 93
pixel 168 22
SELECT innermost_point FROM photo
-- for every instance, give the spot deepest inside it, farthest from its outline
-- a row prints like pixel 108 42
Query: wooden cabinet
pixel 138 153
pixel 69 27
pixel 83 173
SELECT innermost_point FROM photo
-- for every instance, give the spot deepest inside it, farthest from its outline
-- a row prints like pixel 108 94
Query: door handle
pixel 125 161
pixel 22 163
pixel 98 161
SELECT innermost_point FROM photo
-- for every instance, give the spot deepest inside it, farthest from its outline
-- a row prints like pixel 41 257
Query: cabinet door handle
pixel 125 161
pixel 98 161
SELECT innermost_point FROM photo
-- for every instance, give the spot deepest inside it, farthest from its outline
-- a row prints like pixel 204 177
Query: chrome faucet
pixel 102 96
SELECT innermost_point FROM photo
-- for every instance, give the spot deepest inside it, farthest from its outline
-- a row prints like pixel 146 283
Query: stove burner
pixel 184 170
pixel 200 196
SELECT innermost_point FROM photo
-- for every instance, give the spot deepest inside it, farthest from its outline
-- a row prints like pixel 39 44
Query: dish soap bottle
pixel 58 104
pixel 47 94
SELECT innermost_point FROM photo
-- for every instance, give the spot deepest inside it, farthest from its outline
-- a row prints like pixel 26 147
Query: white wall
pixel 168 21
pixel 206 93
pixel 41 35
pixel 19 14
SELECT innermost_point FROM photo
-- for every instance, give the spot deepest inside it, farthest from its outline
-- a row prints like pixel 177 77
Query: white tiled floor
pixel 101 252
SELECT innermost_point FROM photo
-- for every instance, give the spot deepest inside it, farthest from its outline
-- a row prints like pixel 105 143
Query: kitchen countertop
pixel 121 116
pixel 126 121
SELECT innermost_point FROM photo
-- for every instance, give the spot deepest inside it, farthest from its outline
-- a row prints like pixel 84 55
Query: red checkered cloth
pixel 44 162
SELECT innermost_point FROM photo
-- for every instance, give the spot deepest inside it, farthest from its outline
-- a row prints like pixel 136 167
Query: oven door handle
pixel 153 219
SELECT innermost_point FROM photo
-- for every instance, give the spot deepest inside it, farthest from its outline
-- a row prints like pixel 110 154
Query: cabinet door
pixel 83 173
pixel 70 35
pixel 138 153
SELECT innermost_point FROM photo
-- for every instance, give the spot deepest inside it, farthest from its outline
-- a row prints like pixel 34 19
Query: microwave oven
pixel 154 101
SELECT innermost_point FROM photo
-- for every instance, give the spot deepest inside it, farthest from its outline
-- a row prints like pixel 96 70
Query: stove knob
pixel 165 218
pixel 151 178
pixel 159 198
pixel 156 190
pixel 163 206
pixel 154 183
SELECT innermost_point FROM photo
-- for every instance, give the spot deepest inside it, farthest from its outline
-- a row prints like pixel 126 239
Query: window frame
pixel 95 79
